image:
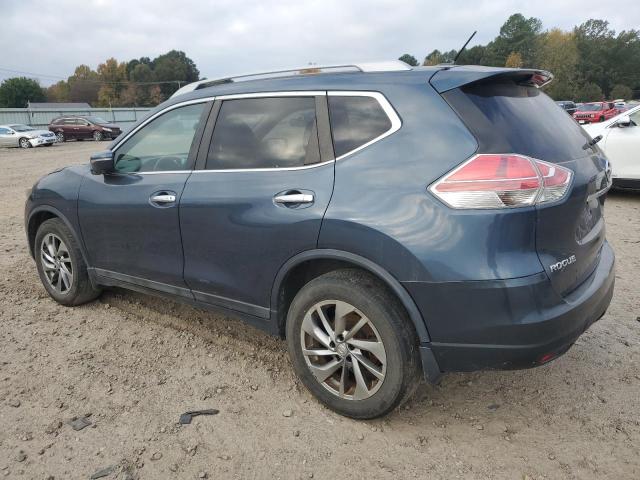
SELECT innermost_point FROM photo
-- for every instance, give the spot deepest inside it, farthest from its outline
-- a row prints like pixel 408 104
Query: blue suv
pixel 388 221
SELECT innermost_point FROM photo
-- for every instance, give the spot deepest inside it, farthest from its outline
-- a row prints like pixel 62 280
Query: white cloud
pixel 242 35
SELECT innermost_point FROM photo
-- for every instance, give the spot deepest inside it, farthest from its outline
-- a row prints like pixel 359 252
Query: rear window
pixel 510 118
pixel 355 121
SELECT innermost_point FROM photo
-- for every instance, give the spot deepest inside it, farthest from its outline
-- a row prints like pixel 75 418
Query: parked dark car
pixel 83 127
pixel 386 221
pixel 568 106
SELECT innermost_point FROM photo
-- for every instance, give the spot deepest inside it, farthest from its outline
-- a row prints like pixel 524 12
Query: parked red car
pixel 595 112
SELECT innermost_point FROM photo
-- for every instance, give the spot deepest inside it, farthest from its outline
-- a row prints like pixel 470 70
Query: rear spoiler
pixel 451 76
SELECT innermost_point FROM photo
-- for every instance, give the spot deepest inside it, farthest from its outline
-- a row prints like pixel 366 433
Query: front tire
pixel 24 143
pixel 60 137
pixel 352 344
pixel 61 266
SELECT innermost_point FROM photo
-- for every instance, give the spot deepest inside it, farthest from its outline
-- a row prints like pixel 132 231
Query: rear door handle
pixel 294 198
pixel 163 198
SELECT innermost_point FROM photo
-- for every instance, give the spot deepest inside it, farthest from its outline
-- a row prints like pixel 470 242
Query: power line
pixel 100 82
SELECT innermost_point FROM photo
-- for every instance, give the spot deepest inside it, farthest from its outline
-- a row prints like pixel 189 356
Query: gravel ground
pixel 134 363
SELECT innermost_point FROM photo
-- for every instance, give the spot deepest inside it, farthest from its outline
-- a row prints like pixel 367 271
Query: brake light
pixel 502 181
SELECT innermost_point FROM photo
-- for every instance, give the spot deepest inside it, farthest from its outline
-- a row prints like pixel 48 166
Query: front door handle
pixel 163 198
pixel 294 198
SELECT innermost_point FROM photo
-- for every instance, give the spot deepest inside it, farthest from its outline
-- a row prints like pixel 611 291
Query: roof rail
pixel 386 66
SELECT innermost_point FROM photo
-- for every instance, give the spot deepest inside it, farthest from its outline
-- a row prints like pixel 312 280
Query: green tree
pixel 589 92
pixel 84 85
pixel 113 76
pixel 58 92
pixel 625 60
pixel 558 53
pixel 174 66
pixel 514 60
pixel 437 57
pixel 476 55
pixel 621 91
pixel 138 92
pixel 409 59
pixel 17 92
pixel 518 34
pixel 595 42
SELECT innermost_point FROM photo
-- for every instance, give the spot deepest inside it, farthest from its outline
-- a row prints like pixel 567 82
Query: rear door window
pixel 355 121
pixel 278 132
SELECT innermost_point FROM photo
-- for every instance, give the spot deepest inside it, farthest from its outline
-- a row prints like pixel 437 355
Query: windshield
pixel 591 107
pixel 98 120
pixel 21 128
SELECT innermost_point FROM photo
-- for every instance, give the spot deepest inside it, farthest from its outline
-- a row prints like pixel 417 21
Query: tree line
pixel 591 62
pixel 137 83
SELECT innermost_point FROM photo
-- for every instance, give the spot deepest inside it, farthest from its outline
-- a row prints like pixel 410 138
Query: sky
pixel 49 39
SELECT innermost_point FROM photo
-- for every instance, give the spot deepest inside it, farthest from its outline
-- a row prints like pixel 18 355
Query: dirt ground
pixel 134 363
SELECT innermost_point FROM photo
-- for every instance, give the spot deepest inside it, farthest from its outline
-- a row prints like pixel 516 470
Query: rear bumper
pixel 509 324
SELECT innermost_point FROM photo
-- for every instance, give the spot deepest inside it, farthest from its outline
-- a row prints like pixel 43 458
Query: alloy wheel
pixel 24 143
pixel 60 137
pixel 56 263
pixel 97 136
pixel 343 350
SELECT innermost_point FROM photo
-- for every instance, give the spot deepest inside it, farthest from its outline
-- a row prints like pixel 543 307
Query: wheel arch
pixel 43 213
pixel 301 268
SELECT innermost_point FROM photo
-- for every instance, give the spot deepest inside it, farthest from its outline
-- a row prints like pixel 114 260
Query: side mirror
pixel 102 163
pixel 624 121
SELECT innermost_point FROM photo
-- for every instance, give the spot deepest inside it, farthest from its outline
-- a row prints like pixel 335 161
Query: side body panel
pixel 622 146
pixel 125 233
pixel 388 216
pixel 236 238
pixel 57 193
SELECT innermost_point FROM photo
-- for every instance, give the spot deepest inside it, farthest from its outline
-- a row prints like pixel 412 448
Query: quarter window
pixel 355 121
pixel 163 144
pixel 275 132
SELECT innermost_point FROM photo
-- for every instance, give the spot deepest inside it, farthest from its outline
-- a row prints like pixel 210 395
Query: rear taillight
pixel 502 181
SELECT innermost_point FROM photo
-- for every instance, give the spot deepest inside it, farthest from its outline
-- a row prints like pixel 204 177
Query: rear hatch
pixel 508 114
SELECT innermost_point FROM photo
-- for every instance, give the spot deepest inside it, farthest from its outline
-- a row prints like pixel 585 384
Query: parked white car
pixel 24 136
pixel 621 143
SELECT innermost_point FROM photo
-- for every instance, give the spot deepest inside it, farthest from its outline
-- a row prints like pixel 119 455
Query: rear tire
pixel 97 136
pixel 374 369
pixel 61 266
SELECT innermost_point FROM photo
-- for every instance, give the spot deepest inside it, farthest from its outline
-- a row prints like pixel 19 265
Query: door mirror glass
pixel 102 163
